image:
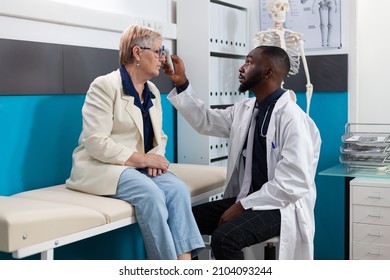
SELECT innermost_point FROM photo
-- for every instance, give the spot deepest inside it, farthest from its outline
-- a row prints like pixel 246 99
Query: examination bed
pixel 38 221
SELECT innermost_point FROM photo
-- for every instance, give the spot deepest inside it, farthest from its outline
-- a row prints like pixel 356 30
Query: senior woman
pixel 122 146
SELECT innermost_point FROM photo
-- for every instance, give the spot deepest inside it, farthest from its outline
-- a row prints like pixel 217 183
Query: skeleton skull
pixel 277 9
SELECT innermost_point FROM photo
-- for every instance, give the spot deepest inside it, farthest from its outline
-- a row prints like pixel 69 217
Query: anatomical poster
pixel 319 21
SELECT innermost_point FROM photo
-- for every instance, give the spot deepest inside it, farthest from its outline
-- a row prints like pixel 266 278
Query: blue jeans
pixel 163 211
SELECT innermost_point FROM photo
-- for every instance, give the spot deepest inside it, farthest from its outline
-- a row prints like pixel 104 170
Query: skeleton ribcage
pixel 291 46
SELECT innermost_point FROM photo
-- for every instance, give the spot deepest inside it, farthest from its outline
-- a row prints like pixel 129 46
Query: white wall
pixel 153 9
pixel 91 23
pixel 372 104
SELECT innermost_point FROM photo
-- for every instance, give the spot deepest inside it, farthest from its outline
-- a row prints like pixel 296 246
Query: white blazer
pixel 112 132
pixel 293 147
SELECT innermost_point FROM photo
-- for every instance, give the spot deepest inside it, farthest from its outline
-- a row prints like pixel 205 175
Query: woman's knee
pixel 153 195
pixel 176 189
pixel 151 203
pixel 140 191
pixel 181 190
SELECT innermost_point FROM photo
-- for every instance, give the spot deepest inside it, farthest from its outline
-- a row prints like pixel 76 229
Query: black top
pixel 259 157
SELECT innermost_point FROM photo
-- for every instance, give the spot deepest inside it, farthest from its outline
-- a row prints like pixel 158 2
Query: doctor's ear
pixel 268 73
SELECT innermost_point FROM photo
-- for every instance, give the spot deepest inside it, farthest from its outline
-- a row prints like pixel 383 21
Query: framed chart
pixel 318 20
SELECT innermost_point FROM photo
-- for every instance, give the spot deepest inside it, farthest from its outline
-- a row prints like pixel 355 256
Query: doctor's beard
pixel 249 83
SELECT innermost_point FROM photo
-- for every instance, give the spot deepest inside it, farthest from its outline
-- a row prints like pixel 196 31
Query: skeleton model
pixel 325 10
pixel 289 40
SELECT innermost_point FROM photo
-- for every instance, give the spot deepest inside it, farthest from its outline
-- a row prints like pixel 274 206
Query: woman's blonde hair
pixel 135 35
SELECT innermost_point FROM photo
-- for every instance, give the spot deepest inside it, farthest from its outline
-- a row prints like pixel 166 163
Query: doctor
pixel 274 151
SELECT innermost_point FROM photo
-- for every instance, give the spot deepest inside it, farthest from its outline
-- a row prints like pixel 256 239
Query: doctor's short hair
pixel 279 58
pixel 135 35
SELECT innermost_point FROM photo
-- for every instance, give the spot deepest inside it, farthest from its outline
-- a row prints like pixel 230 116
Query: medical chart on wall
pixel 318 20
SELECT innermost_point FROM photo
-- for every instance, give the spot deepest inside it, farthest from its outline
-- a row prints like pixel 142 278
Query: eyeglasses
pixel 158 53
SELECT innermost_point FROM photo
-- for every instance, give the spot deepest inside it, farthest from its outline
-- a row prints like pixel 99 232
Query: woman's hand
pixel 156 164
pixel 153 172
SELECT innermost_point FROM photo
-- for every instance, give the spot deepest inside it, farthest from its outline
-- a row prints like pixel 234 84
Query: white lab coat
pixel 293 147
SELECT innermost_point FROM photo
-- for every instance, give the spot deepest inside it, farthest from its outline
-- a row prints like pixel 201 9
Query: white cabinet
pixel 212 39
pixel 370 218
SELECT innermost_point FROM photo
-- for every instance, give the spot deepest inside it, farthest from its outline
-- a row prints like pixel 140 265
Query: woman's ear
pixel 136 51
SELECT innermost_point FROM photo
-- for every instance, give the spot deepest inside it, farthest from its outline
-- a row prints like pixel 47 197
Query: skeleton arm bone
pixel 295 48
pixel 309 86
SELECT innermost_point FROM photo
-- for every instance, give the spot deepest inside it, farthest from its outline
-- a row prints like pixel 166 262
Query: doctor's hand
pixel 176 72
pixel 232 212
